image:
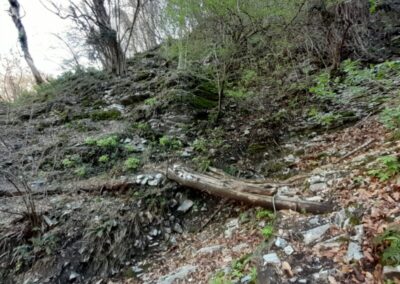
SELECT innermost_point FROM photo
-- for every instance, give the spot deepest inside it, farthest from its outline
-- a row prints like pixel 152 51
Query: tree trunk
pixel 23 40
pixel 109 37
pixel 257 193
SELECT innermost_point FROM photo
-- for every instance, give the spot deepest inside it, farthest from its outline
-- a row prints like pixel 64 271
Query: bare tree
pixel 14 12
pixel 100 22
pixel 15 77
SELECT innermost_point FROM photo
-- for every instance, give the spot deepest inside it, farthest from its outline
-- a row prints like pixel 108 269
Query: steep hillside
pixel 85 195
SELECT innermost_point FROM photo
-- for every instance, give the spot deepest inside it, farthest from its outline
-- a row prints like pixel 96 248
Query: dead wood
pixel 251 192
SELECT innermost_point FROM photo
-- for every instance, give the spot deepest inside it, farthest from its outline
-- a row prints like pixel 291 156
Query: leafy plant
pixel 372 6
pixel 322 86
pixel 104 159
pixel 390 240
pixel 103 229
pixel 70 161
pixel 67 163
pixel 150 101
pixel 129 148
pixel 200 145
pixel 202 163
pixel 238 94
pixel 265 214
pixel 388 167
pixel 22 254
pixel 132 164
pixel 81 171
pixel 109 142
pixel 46 243
pixel 170 142
pixel 249 77
pixel 267 231
pixel 90 141
pixel 390 117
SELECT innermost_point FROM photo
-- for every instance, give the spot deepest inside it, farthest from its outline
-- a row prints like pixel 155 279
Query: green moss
pixel 201 103
pixel 257 148
pixel 112 114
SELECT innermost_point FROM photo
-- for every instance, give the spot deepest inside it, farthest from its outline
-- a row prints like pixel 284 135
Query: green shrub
pixel 170 142
pixel 238 94
pixel 388 167
pixel 81 171
pixel 249 77
pixel 90 141
pixel 109 142
pixel 129 148
pixel 150 101
pixel 322 87
pixel 372 6
pixel 132 164
pixel 67 163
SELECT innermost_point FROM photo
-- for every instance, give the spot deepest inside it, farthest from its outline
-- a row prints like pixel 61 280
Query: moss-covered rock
pixel 112 114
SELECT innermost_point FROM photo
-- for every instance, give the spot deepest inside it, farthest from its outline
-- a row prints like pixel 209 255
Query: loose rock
pixel 315 234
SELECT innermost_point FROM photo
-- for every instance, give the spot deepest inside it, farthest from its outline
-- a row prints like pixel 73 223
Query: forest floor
pixel 92 160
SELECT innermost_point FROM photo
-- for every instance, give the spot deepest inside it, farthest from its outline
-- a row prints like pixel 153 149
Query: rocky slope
pixel 90 151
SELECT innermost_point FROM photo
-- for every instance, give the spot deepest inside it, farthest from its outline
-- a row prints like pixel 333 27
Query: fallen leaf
pixel 287 268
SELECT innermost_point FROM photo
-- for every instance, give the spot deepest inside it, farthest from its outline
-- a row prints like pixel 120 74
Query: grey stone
pixel 290 159
pixel 321 276
pixel 73 276
pixel 116 107
pixel 144 180
pixel 317 187
pixel 245 279
pixel 280 243
pixel 179 274
pixel 178 228
pixel 271 258
pixel 315 233
pixel 354 252
pixel 288 250
pixel 210 250
pixel 314 221
pixel 37 184
pixel 231 226
pixel 391 272
pixel 358 237
pixel 240 247
pixel 137 269
pixel 185 206
pixel 316 179
pixel 153 232
pixel 340 218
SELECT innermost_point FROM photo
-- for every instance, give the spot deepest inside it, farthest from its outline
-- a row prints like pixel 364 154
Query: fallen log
pixel 255 193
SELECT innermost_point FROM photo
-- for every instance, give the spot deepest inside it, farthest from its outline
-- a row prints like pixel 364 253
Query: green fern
pixel 389 166
pixel 390 239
